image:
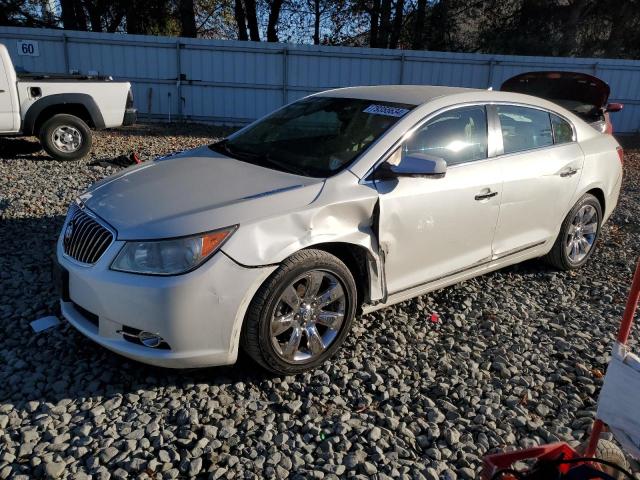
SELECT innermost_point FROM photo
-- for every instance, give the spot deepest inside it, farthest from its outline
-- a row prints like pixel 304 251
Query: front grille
pixel 84 239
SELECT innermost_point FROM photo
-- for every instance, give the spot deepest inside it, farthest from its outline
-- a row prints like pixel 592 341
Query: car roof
pixel 408 94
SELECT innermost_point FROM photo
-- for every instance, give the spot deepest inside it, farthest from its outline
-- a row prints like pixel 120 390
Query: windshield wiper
pixel 256 158
pixel 266 158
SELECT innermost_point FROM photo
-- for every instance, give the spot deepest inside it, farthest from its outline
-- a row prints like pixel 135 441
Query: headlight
pixel 170 257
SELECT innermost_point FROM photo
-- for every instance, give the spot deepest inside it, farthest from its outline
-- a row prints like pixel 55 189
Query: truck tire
pixel 66 137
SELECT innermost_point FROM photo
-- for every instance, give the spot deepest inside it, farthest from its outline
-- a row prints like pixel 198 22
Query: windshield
pixel 315 137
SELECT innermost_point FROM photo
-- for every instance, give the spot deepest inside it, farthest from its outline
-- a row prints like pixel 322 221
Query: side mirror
pixel 614 107
pixel 414 165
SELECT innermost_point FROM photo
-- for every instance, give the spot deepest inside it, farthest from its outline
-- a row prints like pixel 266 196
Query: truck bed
pixel 62 77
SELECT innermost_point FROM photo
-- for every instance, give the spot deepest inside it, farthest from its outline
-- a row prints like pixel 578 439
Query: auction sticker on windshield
pixel 384 110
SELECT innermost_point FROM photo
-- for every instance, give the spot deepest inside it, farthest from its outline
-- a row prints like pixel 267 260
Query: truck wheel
pixel 66 137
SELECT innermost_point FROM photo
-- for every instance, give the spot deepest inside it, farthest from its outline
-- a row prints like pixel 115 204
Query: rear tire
pixel 301 315
pixel 610 452
pixel 66 137
pixel 578 235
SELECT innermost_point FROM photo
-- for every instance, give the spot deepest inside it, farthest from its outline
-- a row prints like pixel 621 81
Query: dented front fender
pixel 343 213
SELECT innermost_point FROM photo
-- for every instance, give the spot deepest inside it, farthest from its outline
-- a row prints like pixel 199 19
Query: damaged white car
pixel 347 201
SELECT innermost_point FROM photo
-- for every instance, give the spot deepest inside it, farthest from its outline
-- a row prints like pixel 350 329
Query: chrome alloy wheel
pixel 582 233
pixel 66 138
pixel 308 316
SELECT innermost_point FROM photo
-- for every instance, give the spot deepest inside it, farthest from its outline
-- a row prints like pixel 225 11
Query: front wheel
pixel 578 235
pixel 300 317
pixel 66 137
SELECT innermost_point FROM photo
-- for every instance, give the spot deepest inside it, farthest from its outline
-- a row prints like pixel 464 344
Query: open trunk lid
pixel 584 95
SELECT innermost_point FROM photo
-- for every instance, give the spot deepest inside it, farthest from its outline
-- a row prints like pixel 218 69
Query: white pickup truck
pixel 61 109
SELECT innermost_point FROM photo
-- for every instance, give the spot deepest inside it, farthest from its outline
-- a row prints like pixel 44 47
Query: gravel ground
pixel 515 360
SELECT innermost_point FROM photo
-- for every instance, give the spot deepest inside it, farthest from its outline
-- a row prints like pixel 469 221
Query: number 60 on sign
pixel 28 48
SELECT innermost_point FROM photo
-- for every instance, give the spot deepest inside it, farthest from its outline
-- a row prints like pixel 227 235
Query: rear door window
pixel 524 128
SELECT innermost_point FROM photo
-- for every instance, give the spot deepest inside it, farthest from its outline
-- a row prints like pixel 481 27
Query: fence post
pixel 65 47
pixel 492 62
pixel 401 68
pixel 285 74
pixel 179 78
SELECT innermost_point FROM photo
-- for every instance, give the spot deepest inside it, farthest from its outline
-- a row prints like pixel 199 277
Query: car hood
pixel 561 87
pixel 194 192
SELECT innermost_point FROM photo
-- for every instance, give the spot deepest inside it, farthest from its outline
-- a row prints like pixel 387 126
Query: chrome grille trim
pixel 85 238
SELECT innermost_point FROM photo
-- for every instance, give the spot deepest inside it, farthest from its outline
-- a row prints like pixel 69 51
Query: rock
pixel 54 469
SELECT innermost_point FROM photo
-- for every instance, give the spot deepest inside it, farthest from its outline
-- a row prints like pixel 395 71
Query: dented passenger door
pixel 431 227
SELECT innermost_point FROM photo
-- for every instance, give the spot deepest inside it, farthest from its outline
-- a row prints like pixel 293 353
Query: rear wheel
pixel 301 315
pixel 578 235
pixel 66 137
pixel 609 452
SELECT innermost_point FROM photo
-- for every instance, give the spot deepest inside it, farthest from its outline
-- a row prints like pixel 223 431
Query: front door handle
pixel 485 196
pixel 569 172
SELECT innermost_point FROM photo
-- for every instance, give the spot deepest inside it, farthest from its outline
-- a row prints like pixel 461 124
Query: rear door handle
pixel 569 172
pixel 485 196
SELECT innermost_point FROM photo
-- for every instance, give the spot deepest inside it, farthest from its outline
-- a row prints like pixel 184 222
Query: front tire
pixel 578 235
pixel 66 137
pixel 301 315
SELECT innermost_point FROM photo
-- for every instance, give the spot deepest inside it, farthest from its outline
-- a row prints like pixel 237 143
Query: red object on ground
pixel 135 157
pixel 435 318
pixel 499 461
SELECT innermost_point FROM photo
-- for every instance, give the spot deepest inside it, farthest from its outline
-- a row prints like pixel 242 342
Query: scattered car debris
pixel 45 323
pixel 119 161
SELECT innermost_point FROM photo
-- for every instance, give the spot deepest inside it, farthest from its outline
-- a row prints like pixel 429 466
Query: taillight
pixel 620 154
pixel 129 103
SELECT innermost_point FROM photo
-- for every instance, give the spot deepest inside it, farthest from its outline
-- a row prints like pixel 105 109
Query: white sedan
pixel 342 203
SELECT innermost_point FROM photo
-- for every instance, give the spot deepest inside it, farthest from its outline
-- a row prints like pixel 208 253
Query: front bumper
pixel 199 314
pixel 130 116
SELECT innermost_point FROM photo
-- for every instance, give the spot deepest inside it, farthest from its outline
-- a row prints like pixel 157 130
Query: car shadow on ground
pixel 21 148
pixel 61 363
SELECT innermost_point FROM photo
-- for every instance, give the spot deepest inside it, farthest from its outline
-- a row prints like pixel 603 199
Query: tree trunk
pixel 316 22
pixel 385 23
pixel 418 33
pixel 570 26
pixel 115 21
pixel 187 19
pixel 375 19
pixel 73 17
pixel 274 16
pixel 614 48
pixel 69 21
pixel 134 25
pixel 397 24
pixel 241 21
pixel 95 14
pixel 252 20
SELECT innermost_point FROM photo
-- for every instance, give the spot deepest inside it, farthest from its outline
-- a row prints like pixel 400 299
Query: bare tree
pixel 73 15
pixel 187 18
pixel 252 20
pixel 396 30
pixel 241 20
pixel 417 42
pixel 274 16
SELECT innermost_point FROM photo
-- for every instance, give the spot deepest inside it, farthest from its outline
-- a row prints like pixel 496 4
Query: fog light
pixel 148 339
